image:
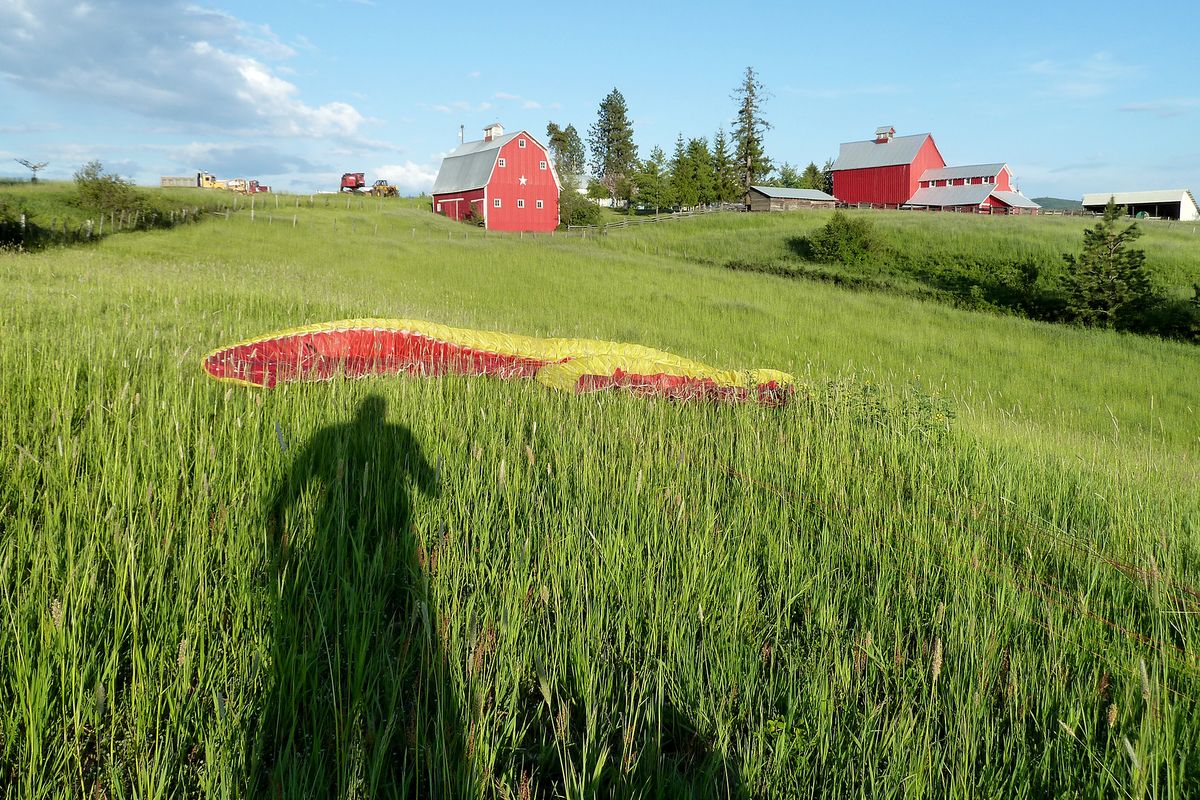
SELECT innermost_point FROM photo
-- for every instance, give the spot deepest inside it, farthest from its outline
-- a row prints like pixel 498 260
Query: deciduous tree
pixel 566 148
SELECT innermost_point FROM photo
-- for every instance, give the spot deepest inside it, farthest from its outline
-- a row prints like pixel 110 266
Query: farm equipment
pixel 206 180
pixel 384 189
pixel 354 182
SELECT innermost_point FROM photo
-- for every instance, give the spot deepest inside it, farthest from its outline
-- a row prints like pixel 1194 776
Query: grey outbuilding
pixel 774 198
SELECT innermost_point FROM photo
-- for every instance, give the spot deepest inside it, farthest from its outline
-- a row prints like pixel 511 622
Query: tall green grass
pixel 962 563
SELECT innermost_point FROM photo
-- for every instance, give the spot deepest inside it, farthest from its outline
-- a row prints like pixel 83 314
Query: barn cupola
pixel 493 131
pixel 884 134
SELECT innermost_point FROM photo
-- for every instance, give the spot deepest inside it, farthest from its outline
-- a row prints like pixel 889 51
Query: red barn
pixel 506 179
pixel 978 187
pixel 897 171
pixel 884 170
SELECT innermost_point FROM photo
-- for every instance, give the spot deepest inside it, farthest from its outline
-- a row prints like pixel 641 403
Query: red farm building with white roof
pixel 898 171
pixel 506 179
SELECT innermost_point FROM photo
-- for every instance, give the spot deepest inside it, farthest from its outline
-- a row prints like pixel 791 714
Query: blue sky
pixel 1076 97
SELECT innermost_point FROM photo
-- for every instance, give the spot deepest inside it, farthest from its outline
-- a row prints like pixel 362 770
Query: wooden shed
pixel 774 198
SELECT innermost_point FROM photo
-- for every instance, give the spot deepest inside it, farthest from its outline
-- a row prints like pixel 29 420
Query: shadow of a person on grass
pixel 361 703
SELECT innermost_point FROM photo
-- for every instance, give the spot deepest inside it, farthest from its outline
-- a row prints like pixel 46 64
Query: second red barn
pixel 505 180
pixel 909 171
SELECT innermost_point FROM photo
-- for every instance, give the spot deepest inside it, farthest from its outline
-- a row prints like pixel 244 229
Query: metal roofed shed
pixel 775 198
pixel 1177 204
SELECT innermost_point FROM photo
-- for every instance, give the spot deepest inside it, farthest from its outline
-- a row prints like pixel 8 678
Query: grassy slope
pixel 50 202
pixel 691 597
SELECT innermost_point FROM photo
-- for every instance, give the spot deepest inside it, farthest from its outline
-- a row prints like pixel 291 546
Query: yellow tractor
pixel 384 189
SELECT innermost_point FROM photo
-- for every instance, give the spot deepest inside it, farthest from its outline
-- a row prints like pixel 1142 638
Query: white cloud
pixel 409 177
pixel 1092 77
pixel 1164 109
pixel 174 61
pixel 531 104
pixel 506 96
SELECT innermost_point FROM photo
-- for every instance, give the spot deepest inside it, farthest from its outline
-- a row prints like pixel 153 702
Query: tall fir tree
pixel 614 155
pixel 700 164
pixel 724 169
pixel 683 189
pixel 1109 281
pixel 566 148
pixel 748 131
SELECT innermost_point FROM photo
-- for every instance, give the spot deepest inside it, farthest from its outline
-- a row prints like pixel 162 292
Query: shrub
pixel 575 209
pixel 105 192
pixel 842 240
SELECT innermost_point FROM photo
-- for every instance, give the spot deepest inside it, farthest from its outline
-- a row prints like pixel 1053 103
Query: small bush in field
pixel 842 240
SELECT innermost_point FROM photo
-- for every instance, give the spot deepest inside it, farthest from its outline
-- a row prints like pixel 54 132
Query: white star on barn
pixel 524 180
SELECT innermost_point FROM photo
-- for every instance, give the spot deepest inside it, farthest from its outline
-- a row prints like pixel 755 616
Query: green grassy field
pixel 963 563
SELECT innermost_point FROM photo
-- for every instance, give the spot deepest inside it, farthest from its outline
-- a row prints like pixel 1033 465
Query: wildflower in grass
pixel 183 651
pixel 56 614
pixel 1111 717
pixel 935 667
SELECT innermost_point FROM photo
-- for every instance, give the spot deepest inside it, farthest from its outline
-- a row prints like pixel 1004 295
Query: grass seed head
pixel 935 666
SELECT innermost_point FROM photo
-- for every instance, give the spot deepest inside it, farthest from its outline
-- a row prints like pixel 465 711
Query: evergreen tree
pixel 614 155
pixel 827 174
pixel 700 164
pixel 812 178
pixel 724 169
pixel 1109 280
pixel 788 177
pixel 683 188
pixel 566 148
pixel 748 130
pixel 652 181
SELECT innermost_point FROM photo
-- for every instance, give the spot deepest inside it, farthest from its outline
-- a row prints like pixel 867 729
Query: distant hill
pixel 1058 204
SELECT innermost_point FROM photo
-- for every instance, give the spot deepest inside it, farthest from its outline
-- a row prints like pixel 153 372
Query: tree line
pixel 698 172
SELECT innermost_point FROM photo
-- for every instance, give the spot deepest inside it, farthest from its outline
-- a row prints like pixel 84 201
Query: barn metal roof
pixel 470 165
pixel 970 195
pixel 1016 199
pixel 968 171
pixel 793 194
pixel 1134 198
pixel 865 154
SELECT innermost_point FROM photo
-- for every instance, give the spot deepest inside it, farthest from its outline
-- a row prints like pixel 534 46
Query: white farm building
pixel 1165 203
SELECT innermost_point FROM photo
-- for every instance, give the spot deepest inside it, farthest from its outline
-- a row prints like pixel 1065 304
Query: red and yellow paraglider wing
pixel 359 347
pixel 670 377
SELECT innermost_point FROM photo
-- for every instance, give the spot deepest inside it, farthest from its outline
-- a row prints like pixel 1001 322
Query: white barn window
pixel 520 204
pixel 540 204
pixel 496 202
pixel 500 162
pixel 520 142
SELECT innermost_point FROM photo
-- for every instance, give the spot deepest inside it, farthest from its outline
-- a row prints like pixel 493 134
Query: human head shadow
pixel 360 699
